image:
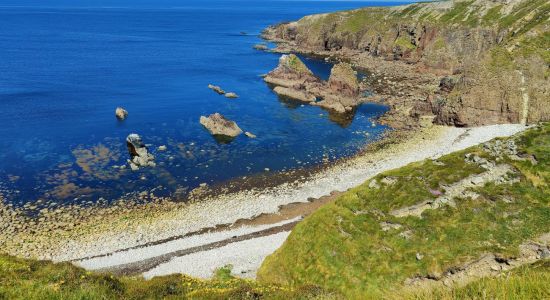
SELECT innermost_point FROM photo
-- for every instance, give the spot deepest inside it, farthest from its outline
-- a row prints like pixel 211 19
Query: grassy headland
pixel 366 245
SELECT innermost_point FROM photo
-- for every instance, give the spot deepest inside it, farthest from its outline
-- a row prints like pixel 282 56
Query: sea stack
pixel 139 154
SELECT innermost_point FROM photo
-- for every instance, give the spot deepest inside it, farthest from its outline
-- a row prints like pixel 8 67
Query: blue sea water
pixel 64 68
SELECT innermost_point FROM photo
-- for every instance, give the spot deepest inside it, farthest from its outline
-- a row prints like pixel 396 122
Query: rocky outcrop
pixel 216 89
pixel 343 80
pixel 231 95
pixel 220 127
pixel 139 154
pixel 292 79
pixel 488 59
pixel 261 47
pixel 121 113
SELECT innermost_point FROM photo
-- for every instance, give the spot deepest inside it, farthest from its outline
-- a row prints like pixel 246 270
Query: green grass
pixel 41 280
pixel 492 16
pixel 343 248
pixel 404 43
pixel 457 13
pixel 529 282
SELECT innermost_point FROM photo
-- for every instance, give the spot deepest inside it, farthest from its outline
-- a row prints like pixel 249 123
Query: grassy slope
pixel 40 280
pixel 343 247
pixel 529 282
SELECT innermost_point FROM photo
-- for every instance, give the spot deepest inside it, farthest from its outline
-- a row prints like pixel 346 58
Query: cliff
pixel 471 62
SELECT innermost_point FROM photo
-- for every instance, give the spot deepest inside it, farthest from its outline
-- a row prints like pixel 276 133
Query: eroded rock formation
pixel 467 63
pixel 220 127
pixel 293 79
pixel 139 154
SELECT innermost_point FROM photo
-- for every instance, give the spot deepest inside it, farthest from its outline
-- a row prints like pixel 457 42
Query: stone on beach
pixel 139 154
pixel 216 89
pixel 218 125
pixel 121 113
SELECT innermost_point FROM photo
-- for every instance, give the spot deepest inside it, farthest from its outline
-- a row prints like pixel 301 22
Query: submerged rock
pixel 231 95
pixel 121 113
pixel 261 47
pixel 139 154
pixel 216 89
pixel 219 126
pixel 250 135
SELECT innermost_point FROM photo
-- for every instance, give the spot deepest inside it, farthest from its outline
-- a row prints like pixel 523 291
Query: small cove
pixel 62 144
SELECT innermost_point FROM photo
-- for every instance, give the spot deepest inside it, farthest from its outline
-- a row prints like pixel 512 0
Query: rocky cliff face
pixel 490 58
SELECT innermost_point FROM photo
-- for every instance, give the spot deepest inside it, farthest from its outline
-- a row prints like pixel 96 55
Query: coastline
pixel 148 228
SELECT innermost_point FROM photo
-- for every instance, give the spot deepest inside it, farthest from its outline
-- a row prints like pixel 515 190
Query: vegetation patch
pixel 404 43
pixel 29 280
pixel 357 247
pixel 528 282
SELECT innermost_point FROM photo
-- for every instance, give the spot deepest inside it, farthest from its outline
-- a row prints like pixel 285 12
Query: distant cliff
pixel 492 56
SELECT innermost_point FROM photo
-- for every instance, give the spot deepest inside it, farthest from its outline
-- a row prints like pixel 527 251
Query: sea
pixel 66 65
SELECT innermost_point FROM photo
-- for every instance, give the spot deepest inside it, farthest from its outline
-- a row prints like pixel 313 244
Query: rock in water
pixel 216 89
pixel 292 79
pixel 261 47
pixel 250 135
pixel 121 113
pixel 343 80
pixel 139 155
pixel 231 95
pixel 219 126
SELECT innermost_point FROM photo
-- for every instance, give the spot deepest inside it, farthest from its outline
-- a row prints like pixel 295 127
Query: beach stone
pixel 139 154
pixel 121 113
pixel 218 125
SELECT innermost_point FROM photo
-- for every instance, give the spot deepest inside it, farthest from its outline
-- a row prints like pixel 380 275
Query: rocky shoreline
pixel 73 233
pixel 429 65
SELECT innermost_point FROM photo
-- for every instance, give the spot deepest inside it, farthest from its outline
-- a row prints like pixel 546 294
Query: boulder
pixel 231 95
pixel 139 154
pixel 218 125
pixel 216 89
pixel 121 113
